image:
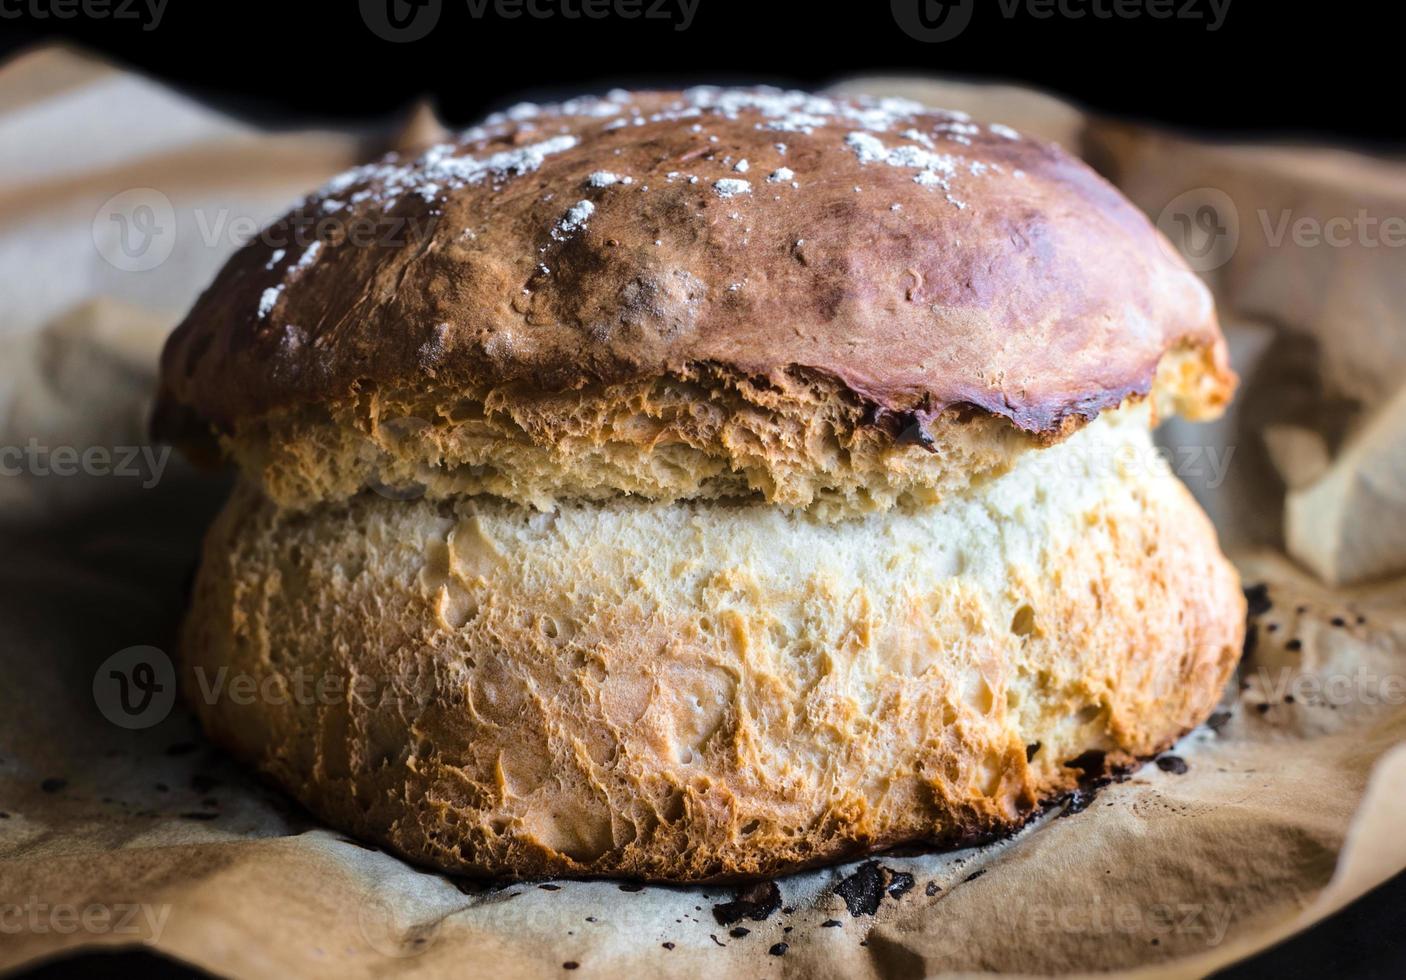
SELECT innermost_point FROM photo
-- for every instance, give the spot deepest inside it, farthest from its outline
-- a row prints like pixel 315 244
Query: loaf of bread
pixel 702 485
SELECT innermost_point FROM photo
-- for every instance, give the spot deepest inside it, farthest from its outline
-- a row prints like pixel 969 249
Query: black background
pixel 1271 71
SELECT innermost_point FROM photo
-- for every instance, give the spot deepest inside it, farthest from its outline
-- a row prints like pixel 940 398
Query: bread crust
pixel 915 261
pixel 700 691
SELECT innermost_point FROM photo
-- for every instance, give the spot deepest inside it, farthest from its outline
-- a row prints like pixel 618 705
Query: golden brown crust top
pixel 919 260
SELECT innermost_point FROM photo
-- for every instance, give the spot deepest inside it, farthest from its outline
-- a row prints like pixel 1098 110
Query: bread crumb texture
pixel 703 434
pixel 701 690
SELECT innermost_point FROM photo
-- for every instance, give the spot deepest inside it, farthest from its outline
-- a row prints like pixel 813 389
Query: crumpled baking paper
pixel 120 826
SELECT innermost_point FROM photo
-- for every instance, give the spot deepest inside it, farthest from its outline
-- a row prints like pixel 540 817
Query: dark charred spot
pixel 914 434
pixel 632 888
pixel 1079 800
pixel 831 924
pixel 863 890
pixel 1030 750
pixel 1257 600
pixel 932 889
pixel 1174 764
pixel 737 932
pixel 1090 763
pixel 975 875
pixel 779 949
pixel 755 902
pixel 900 884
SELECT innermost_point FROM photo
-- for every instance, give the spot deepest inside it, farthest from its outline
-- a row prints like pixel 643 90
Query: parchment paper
pixel 127 828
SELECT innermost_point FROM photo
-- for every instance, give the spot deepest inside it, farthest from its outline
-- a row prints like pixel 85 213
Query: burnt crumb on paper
pixel 1095 774
pixel 932 889
pixel 1078 801
pixel 547 886
pixel 864 890
pixel 1173 764
pixel 1218 721
pixel 779 949
pixel 1257 601
pixel 900 883
pixel 755 902
pixel 974 875
pixel 737 932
